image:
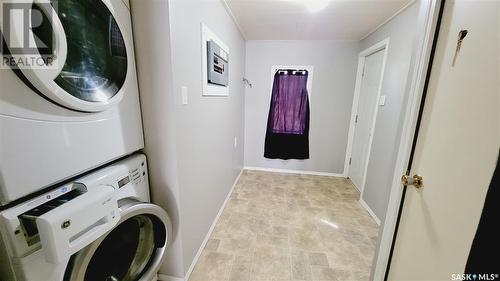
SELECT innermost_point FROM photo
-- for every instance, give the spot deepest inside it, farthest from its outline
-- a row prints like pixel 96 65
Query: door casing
pixel 382 45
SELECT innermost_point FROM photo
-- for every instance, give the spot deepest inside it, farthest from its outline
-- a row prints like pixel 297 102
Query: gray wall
pixel 206 127
pixel 331 100
pixel 193 162
pixel 401 31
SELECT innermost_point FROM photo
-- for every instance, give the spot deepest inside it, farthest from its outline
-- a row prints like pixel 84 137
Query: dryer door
pixel 133 250
pixel 76 53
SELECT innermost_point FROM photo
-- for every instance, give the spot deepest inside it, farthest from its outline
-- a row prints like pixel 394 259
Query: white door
pixel 368 98
pixel 457 147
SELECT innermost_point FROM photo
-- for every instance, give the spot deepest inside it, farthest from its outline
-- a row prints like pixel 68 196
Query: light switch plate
pixel 184 95
pixel 381 101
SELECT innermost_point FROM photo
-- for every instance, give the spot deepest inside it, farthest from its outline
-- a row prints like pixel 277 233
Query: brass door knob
pixel 417 181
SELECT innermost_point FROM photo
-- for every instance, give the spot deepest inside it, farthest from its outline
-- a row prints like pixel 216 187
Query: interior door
pixel 457 147
pixel 368 96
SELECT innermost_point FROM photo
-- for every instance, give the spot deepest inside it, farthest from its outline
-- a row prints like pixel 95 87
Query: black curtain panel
pixel 483 256
pixel 287 135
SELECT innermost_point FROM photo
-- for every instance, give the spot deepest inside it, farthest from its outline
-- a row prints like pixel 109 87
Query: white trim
pixel 382 45
pixel 240 29
pixel 428 16
pixel 369 210
pixel 202 246
pixel 164 277
pixel 354 109
pixel 389 19
pixel 286 171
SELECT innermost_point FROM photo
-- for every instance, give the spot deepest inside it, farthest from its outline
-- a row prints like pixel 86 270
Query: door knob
pixel 417 180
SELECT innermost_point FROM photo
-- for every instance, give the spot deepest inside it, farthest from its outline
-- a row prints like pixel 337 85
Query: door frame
pixel 382 45
pixel 428 25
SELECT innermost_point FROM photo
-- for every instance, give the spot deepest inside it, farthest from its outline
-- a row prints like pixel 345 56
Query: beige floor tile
pixel 347 260
pixel 321 273
pixel 240 246
pixel 278 227
pixel 360 275
pixel 236 205
pixel 241 269
pixel 277 230
pixel 306 239
pixel 271 279
pixel 212 245
pixel 301 270
pixel 272 240
pixel 212 266
pixel 319 259
pixel 271 262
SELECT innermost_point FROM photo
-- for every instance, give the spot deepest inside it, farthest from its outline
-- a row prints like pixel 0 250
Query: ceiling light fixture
pixel 315 6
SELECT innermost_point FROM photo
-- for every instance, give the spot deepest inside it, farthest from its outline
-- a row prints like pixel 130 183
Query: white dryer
pixel 96 228
pixel 78 111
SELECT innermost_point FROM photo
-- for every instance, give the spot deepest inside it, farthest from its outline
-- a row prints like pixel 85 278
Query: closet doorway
pixel 367 99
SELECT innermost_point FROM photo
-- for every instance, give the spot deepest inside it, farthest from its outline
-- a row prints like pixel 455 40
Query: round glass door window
pixel 96 63
pixel 124 254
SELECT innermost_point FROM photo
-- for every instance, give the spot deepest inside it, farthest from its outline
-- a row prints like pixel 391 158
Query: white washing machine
pixel 75 113
pixel 96 228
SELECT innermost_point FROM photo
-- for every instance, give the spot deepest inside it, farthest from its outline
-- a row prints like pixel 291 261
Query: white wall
pixel 193 162
pixel 331 100
pixel 401 31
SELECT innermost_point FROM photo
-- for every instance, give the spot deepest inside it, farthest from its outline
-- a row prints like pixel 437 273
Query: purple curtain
pixel 289 104
pixel 287 134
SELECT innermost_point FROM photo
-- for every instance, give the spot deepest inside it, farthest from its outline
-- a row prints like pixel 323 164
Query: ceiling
pixel 312 19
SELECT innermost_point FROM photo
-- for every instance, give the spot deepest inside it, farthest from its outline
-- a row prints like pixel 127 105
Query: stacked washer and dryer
pixel 74 193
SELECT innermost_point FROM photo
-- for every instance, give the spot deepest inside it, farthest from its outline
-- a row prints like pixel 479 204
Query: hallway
pixel 290 227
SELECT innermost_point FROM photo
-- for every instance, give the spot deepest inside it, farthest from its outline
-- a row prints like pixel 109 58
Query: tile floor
pixel 290 227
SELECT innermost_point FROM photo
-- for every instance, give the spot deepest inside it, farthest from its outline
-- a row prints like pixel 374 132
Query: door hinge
pixel 356 120
pixel 350 160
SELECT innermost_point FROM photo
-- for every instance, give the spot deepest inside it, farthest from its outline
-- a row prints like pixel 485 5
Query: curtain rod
pixel 285 71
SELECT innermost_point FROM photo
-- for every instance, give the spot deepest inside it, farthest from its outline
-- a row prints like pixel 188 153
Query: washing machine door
pixel 132 251
pixel 76 54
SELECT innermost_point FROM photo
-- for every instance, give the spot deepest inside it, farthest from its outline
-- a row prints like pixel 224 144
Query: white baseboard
pixel 272 170
pixel 163 277
pixel 369 210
